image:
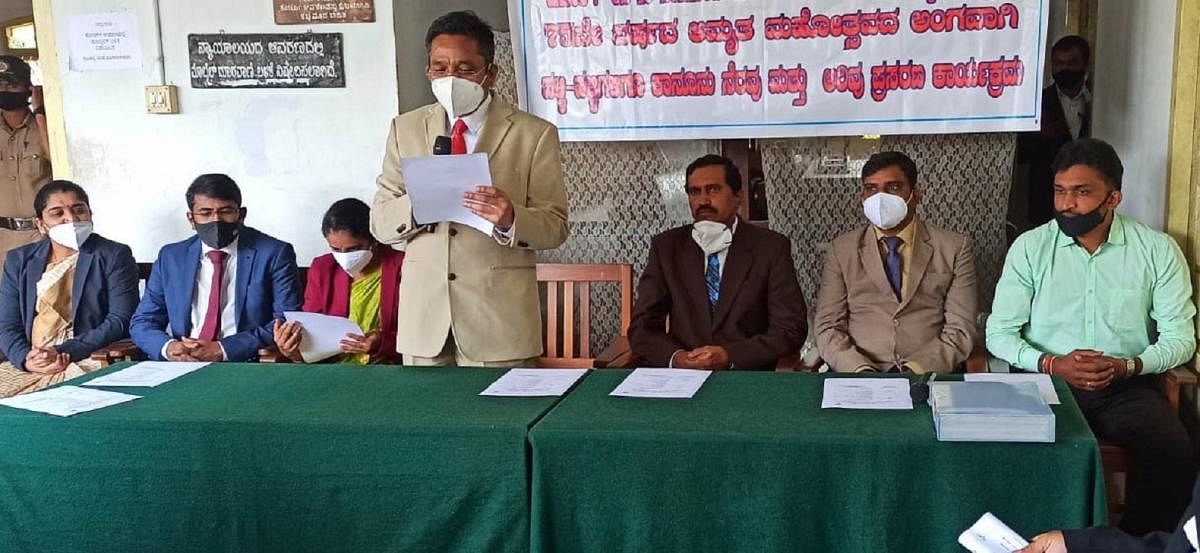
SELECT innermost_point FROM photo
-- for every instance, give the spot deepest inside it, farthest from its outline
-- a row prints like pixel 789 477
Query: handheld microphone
pixel 920 389
pixel 441 146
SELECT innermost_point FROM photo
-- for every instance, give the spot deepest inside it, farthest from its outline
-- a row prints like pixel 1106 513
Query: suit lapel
pixel 868 251
pixel 499 121
pixel 190 268
pixel 922 254
pixel 245 263
pixel 83 266
pixel 691 265
pixel 737 266
pixel 435 126
pixel 33 273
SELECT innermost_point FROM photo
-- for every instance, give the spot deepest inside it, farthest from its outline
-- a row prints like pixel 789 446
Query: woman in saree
pixel 359 279
pixel 63 297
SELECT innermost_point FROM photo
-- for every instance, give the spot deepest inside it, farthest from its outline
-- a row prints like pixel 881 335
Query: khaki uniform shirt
pixel 24 169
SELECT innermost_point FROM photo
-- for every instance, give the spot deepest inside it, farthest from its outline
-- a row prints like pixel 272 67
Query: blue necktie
pixel 892 263
pixel 712 278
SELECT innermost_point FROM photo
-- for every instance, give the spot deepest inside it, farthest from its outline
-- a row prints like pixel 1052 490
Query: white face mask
pixel 885 211
pixel 70 235
pixel 353 262
pixel 458 95
pixel 711 236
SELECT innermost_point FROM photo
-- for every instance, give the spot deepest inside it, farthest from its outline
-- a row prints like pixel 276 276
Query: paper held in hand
pixel 436 185
pixel 989 535
pixel 322 335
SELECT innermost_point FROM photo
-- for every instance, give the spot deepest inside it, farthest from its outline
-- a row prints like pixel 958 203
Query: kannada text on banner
pixel 687 69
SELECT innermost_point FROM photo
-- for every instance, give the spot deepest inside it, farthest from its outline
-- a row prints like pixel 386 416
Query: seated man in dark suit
pixel 728 287
pixel 1112 540
pixel 63 297
pixel 216 295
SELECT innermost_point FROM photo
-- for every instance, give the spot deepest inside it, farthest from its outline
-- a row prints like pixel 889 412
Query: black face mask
pixel 1080 225
pixel 218 234
pixel 1068 79
pixel 12 101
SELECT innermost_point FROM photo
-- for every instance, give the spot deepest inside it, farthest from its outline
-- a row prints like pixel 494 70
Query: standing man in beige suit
pixel 467 298
pixel 898 294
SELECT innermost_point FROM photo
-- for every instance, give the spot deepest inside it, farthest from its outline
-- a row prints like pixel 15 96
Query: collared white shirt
pixel 1074 108
pixel 721 255
pixel 204 286
pixel 475 121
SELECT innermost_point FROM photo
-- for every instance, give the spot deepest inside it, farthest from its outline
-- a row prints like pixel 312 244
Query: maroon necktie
pixel 458 139
pixel 211 331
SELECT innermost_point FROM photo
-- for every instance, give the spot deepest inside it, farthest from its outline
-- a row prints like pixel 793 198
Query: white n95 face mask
pixel 353 262
pixel 885 211
pixel 70 235
pixel 458 95
pixel 711 236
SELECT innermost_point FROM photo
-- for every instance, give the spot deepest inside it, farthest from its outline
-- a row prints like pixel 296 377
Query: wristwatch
pixel 1130 366
pixel 41 110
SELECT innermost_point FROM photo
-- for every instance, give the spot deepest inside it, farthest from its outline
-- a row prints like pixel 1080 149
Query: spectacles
pixel 223 213
pixel 462 70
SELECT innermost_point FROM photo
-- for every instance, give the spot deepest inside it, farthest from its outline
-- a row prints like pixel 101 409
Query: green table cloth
pixel 752 463
pixel 288 458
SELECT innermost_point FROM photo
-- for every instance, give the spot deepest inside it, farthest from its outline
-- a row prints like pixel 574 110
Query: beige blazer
pixel 455 276
pixel 860 322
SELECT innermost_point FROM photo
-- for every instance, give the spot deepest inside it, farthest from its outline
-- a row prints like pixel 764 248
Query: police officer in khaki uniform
pixel 24 154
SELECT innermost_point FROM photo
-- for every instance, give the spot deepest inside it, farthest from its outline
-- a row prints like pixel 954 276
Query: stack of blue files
pixel 990 412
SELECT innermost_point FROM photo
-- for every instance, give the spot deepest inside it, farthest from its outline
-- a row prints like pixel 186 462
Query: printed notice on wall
pixel 309 60
pixel 104 41
pixel 303 12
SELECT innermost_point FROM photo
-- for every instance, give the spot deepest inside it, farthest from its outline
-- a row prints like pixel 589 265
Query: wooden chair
pixel 123 350
pixel 567 285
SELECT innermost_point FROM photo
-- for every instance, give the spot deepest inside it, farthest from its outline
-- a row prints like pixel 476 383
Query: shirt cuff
pixel 914 367
pixel 163 353
pixel 224 356
pixel 504 238
pixel 866 369
pixel 671 362
pixel 1028 359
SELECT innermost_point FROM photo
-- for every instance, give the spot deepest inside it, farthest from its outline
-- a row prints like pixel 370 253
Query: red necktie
pixel 211 331
pixel 458 139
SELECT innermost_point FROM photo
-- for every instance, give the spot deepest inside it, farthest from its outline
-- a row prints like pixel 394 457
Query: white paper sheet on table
pixel 661 383
pixel 146 374
pixel 1044 384
pixel 534 383
pixel 866 393
pixel 989 535
pixel 65 401
pixel 323 334
pixel 436 184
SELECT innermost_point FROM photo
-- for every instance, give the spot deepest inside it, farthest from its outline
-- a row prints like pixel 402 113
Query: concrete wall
pixel 412 21
pixel 293 151
pixel 1133 69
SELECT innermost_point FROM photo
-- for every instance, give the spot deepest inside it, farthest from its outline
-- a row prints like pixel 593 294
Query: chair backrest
pixel 569 285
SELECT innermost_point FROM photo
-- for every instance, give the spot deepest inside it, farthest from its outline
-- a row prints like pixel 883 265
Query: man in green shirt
pixel 1101 300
